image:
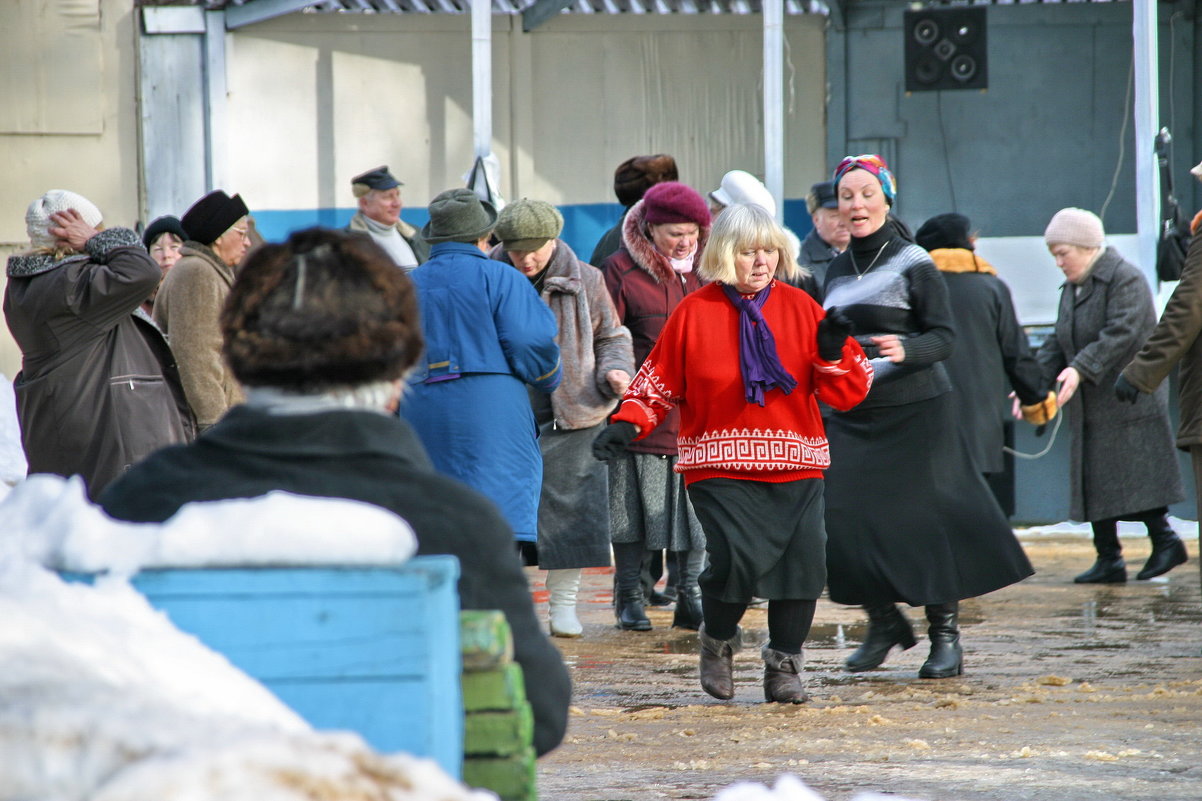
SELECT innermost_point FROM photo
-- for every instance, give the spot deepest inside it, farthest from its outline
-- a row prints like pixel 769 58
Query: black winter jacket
pixel 377 459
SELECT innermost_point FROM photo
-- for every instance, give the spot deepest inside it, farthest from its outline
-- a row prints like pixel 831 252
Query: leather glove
pixel 1125 390
pixel 833 331
pixel 1038 414
pixel 613 439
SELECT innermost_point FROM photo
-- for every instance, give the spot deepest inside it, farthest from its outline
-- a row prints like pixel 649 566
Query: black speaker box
pixel 946 48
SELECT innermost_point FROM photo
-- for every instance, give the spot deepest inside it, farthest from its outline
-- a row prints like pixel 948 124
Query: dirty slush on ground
pixel 1069 692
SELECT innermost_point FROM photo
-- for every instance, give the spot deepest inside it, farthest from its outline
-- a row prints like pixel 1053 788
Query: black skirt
pixel 908 517
pixel 763 539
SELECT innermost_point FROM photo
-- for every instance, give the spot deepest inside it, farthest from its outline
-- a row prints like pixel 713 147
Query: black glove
pixel 612 441
pixel 1041 430
pixel 1125 390
pixel 833 331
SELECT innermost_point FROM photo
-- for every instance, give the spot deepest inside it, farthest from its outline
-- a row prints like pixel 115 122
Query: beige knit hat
pixel 1074 226
pixel 37 216
pixel 1197 171
pixel 528 224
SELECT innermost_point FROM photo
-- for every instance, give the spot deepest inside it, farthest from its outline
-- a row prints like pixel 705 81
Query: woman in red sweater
pixel 746 359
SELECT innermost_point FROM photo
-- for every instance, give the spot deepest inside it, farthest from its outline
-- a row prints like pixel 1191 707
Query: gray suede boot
pixel 782 677
pixel 717 663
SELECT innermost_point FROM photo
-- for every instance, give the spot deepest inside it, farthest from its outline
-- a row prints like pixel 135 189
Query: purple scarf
pixel 762 370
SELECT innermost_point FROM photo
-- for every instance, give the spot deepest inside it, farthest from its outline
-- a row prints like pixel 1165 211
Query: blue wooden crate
pixel 371 649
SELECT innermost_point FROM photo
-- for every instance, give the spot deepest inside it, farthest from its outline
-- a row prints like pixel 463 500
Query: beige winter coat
pixel 188 310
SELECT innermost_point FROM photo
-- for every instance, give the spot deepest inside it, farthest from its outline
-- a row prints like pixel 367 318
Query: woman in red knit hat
pixel 745 360
pixel 663 236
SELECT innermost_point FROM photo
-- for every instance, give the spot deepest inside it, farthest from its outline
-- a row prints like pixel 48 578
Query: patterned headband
pixel 873 164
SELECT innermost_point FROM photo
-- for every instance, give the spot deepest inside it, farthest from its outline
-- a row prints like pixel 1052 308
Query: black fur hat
pixel 324 309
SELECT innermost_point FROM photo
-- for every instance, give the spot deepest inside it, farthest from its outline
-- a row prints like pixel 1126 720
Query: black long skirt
pixel 908 517
pixel 763 539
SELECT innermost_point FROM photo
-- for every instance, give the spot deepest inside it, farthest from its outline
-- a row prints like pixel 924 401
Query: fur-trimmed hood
pixel 36 262
pixel 642 250
pixel 959 260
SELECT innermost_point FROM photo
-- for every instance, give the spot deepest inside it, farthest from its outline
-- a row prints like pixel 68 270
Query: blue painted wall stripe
pixel 583 223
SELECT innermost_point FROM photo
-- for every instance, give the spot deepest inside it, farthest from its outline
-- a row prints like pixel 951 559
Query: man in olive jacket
pixel 1176 339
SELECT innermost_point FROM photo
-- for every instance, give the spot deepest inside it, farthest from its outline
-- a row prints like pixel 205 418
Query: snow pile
pixel 1186 529
pixel 102 699
pixel 50 521
pixel 788 788
pixel 12 455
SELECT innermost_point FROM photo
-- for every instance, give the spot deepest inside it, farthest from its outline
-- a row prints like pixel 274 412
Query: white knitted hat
pixel 742 187
pixel 1073 226
pixel 37 216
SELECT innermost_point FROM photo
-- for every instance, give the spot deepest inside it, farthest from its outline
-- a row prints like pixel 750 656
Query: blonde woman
pixel 751 444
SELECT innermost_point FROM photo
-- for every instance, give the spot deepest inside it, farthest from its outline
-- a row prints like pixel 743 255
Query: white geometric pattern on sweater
pixel 752 449
pixel 651 385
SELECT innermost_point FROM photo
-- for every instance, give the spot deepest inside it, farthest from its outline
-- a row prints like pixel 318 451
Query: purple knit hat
pixel 672 202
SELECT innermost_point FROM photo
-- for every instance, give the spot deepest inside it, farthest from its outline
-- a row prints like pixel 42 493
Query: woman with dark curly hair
pixel 321 330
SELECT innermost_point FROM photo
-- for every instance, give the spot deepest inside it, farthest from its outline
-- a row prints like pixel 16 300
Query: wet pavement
pixel 1069 692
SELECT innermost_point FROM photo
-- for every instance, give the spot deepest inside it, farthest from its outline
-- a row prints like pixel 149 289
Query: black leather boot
pixel 946 658
pixel 1109 567
pixel 687 614
pixel 887 627
pixel 782 677
pixel 717 664
pixel 631 616
pixel 1168 550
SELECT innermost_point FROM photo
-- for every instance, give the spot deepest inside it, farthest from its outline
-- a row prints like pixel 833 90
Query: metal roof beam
pixel 260 10
pixel 541 11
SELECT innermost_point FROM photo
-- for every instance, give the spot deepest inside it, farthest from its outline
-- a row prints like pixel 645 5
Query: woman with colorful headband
pixel 909 518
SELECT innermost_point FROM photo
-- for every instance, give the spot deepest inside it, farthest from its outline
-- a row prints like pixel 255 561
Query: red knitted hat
pixel 672 202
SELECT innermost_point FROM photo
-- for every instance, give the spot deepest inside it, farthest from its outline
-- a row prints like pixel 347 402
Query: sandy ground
pixel 1069 692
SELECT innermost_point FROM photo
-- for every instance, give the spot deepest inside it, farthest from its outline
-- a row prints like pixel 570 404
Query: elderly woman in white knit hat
pixel 1122 464
pixel 98 389
pixel 598 363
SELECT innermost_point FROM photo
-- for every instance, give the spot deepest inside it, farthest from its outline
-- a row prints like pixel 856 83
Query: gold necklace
pixel 859 274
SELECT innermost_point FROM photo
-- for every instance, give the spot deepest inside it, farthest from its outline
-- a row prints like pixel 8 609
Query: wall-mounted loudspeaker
pixel 946 49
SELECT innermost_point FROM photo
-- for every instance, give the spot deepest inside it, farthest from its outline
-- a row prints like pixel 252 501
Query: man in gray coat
pixel 379 215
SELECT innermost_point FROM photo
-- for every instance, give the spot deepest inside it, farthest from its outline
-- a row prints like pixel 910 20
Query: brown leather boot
pixel 717 663
pixel 782 677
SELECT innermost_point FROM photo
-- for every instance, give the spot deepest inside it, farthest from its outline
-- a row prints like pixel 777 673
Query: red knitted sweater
pixel 695 366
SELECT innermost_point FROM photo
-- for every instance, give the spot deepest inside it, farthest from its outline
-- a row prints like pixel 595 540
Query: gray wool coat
pixel 1122 459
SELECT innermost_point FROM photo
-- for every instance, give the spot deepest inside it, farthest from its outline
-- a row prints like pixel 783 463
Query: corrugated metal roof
pixel 518 6
pixel 586 6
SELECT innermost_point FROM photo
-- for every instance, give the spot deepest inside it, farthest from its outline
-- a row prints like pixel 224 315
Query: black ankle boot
pixel 887 627
pixel 630 611
pixel 1106 570
pixel 1168 551
pixel 946 658
pixel 1110 567
pixel 687 614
